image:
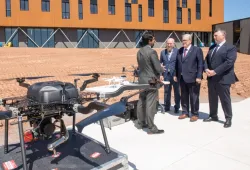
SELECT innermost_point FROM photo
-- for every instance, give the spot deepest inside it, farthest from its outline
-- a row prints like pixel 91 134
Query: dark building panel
pixel 245 36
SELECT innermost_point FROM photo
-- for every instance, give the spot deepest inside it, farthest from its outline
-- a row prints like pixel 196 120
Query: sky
pixel 236 9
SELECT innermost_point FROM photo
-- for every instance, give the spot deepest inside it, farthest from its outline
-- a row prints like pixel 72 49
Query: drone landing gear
pixel 64 136
pixel 6 136
pixel 107 148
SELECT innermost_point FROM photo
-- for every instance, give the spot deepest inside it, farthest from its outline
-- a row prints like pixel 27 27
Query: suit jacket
pixel 190 67
pixel 149 64
pixel 222 63
pixel 169 64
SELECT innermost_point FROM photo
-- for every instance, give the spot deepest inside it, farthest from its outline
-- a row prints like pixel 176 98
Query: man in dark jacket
pixel 219 66
pixel 189 69
pixel 149 66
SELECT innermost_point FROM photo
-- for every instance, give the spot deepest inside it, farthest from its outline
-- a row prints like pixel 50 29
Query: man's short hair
pixel 220 30
pixel 187 37
pixel 146 38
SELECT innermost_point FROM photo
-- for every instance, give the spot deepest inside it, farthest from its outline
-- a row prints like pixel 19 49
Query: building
pixel 105 23
pixel 238 33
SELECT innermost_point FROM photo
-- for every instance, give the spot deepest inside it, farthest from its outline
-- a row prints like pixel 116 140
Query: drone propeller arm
pixel 114 109
pixel 86 82
pixel 26 85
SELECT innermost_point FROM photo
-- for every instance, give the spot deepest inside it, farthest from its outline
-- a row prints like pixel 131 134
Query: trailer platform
pixel 80 152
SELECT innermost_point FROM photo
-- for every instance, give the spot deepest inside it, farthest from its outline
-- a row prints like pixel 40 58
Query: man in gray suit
pixel 149 66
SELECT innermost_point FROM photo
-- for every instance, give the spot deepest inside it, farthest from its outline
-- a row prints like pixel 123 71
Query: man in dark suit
pixel 189 69
pixel 168 59
pixel 149 66
pixel 219 66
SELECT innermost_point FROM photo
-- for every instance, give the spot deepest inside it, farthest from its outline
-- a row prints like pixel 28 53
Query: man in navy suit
pixel 189 69
pixel 219 66
pixel 168 59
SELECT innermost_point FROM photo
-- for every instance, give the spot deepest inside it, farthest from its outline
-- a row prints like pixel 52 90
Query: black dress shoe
pixel 210 119
pixel 176 110
pixel 156 132
pixel 228 123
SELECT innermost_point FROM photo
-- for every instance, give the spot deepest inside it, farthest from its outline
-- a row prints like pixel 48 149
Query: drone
pixel 54 99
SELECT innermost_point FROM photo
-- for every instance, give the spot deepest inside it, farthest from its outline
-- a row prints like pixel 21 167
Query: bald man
pixel 219 66
pixel 168 59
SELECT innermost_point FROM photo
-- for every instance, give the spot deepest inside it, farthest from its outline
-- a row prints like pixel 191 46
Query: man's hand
pixel 198 81
pixel 175 78
pixel 210 73
pixel 161 78
pixel 163 67
pixel 2 108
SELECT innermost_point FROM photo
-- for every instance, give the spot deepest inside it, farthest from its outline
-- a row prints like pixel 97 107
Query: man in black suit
pixel 149 66
pixel 189 69
pixel 168 59
pixel 219 66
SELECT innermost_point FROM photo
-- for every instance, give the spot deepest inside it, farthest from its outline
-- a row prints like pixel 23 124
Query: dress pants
pixel 146 109
pixel 167 93
pixel 222 91
pixel 190 91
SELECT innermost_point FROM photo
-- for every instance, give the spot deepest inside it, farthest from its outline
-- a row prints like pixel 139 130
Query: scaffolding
pixel 89 31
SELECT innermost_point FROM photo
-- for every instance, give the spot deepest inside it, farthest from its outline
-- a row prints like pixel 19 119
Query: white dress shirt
pixel 187 50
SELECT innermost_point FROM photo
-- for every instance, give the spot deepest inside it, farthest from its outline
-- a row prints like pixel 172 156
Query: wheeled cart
pixel 80 152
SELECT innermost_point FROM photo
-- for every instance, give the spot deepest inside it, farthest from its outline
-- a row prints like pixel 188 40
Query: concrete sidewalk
pixel 185 145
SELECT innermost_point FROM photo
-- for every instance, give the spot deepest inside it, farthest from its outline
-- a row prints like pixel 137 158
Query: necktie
pixel 185 53
pixel 215 50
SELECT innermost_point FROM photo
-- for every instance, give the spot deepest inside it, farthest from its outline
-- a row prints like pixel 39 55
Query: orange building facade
pixel 105 23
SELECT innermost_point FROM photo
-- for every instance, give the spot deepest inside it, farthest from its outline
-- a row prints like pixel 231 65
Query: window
pixel 189 16
pixel 14 40
pixel 24 5
pixel 45 5
pixel 80 9
pixel 111 7
pixel 151 8
pixel 128 12
pixel 184 3
pixel 93 7
pixel 65 9
pixel 210 8
pixel 8 8
pixel 198 9
pixel 134 1
pixel 40 36
pixel 179 15
pixel 165 11
pixel 140 13
pixel 89 40
pixel 178 3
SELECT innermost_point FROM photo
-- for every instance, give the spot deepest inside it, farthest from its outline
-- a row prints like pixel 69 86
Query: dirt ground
pixel 19 62
pixel 22 62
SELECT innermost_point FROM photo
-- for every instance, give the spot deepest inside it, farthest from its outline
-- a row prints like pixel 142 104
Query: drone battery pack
pixel 52 92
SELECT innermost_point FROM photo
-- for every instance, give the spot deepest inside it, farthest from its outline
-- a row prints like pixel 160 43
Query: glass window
pixel 134 1
pixel 189 16
pixel 65 9
pixel 45 5
pixel 151 8
pixel 140 13
pixel 178 3
pixel 93 7
pixel 165 11
pixel 128 12
pixel 210 8
pixel 24 5
pixel 184 3
pixel 89 40
pixel 179 15
pixel 80 9
pixel 198 9
pixel 111 7
pixel 14 38
pixel 8 8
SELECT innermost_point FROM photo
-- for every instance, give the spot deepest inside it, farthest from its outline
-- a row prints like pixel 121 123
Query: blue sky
pixel 236 9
